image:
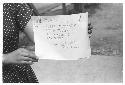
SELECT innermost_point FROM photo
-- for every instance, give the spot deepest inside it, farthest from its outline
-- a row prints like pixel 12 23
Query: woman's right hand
pixel 20 56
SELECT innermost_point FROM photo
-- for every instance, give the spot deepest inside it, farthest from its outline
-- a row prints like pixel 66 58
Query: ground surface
pixel 94 70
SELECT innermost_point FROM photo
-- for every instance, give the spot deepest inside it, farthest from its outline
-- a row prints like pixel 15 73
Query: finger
pixel 26 62
pixel 29 59
pixel 32 55
pixel 27 53
pixel 24 53
pixel 25 58
pixel 24 50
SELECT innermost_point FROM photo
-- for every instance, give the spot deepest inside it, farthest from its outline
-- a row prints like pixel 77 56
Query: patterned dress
pixel 15 18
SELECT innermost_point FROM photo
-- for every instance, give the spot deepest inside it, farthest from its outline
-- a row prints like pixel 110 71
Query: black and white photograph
pixel 62 43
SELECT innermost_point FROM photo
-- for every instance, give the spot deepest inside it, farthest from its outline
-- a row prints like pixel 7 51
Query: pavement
pixel 96 69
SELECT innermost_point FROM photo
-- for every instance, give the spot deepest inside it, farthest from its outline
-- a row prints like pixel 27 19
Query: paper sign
pixel 61 37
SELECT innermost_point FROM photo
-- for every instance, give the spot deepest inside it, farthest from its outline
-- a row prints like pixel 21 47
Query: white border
pixel 63 1
pixel 53 1
pixel 1 38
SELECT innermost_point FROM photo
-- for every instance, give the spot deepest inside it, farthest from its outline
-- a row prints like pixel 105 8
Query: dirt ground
pixel 96 69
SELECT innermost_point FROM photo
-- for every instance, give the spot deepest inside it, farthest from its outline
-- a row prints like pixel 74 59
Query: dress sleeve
pixel 23 15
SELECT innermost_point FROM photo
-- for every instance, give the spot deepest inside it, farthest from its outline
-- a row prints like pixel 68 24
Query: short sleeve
pixel 23 15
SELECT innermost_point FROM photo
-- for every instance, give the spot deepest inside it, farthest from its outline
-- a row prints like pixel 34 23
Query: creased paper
pixel 61 37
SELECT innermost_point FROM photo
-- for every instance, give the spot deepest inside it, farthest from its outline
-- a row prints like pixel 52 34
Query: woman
pixel 17 61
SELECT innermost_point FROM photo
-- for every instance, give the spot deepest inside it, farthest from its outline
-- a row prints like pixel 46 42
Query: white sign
pixel 62 37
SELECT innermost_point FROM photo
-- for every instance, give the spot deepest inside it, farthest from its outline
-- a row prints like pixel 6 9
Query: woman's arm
pixel 29 31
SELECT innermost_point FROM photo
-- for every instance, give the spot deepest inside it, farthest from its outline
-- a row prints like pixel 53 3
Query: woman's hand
pixel 20 56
